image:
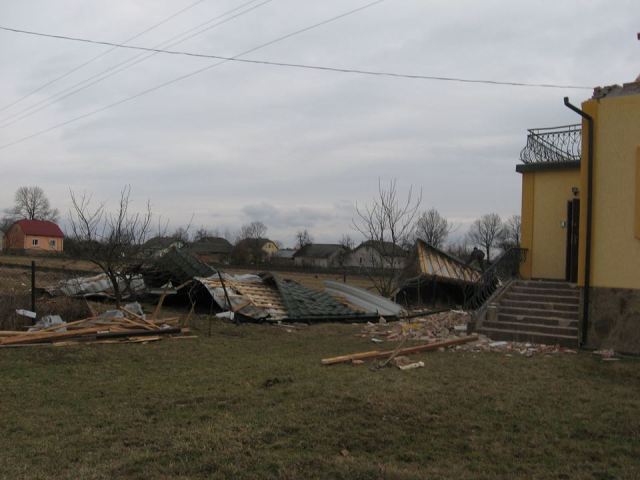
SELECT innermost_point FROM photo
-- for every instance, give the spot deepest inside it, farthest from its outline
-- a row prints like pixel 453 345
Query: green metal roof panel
pixel 303 303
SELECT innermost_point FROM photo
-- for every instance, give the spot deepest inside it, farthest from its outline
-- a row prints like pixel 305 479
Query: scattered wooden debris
pixel 115 326
pixel 415 349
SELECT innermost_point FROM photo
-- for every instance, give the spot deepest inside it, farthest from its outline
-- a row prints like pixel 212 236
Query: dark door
pixel 573 228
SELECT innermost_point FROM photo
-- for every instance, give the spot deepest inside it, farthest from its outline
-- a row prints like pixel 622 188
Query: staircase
pixel 535 311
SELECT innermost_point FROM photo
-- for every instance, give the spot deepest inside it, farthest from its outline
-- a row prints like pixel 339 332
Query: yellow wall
pixel 43 243
pixel 544 207
pixel 637 220
pixel 615 257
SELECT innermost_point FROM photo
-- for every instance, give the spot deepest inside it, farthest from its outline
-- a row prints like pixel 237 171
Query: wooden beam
pixel 403 351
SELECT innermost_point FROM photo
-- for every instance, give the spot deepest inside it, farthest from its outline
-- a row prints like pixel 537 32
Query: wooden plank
pixel 49 336
pixel 403 351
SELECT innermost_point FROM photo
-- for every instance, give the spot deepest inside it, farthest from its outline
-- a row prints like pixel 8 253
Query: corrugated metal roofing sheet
pixel 436 263
pixel 305 304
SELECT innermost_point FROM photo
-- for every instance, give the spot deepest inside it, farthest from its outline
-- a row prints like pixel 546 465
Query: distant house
pixel 375 254
pixel 1 240
pixel 284 256
pixel 320 255
pixel 158 246
pixel 254 250
pixel 34 236
pixel 212 249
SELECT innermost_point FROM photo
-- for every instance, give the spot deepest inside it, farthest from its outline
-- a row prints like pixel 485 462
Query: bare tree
pixel 31 203
pixel 201 234
pixel 181 234
pixel 388 223
pixel 433 228
pixel 111 241
pixel 347 244
pixel 511 232
pixel 303 238
pixel 485 232
pixel 253 230
pixel 460 249
pixel 248 246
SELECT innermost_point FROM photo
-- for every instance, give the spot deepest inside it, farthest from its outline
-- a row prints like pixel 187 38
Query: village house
pixel 320 255
pixel 33 237
pixel 580 230
pixel 254 250
pixel 212 249
pixel 376 254
pixel 284 256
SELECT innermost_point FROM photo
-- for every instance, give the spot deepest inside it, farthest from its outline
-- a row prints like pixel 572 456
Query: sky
pixel 296 148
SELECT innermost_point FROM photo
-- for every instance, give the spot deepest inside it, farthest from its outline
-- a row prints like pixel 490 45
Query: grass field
pixel 254 402
pixel 48 262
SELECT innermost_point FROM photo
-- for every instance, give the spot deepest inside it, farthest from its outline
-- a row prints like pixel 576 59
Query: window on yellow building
pixel 34 242
pixel 52 244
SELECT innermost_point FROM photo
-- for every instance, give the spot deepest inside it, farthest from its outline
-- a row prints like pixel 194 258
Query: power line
pixel 191 74
pixel 93 59
pixel 300 65
pixel 126 64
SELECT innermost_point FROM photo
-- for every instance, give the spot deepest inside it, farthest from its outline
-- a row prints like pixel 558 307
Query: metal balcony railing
pixel 553 145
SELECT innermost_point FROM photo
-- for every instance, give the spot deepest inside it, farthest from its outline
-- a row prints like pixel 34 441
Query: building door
pixel 573 228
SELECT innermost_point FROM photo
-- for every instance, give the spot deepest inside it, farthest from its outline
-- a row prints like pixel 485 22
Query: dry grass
pixel 254 402
pixel 48 261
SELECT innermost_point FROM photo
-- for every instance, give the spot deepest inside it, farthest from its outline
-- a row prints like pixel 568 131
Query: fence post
pixel 33 286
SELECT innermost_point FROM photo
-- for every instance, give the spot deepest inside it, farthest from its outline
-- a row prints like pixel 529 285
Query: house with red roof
pixel 34 236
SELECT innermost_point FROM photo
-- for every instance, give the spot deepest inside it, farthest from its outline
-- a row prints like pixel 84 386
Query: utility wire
pixel 300 65
pixel 126 64
pixel 93 59
pixel 190 74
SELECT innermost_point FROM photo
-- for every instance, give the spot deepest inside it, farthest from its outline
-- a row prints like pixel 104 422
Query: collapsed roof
pixel 267 297
pixel 176 266
pixel 432 262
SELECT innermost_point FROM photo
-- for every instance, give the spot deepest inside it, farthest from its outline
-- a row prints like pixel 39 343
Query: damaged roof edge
pixel 370 302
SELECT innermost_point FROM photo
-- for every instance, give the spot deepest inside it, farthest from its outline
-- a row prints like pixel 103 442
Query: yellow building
pixel 581 213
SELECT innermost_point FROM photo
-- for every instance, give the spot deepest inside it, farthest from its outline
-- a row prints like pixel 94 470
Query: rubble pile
pixel 429 328
pixel 485 344
pixel 450 325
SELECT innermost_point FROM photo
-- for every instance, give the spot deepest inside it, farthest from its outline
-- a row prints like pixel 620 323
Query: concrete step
pixel 527 297
pixel 540 320
pixel 539 312
pixel 532 327
pixel 530 337
pixel 556 292
pixel 546 284
pixel 565 307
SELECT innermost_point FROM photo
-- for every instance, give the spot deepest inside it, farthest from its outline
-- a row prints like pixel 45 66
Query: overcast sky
pixel 297 148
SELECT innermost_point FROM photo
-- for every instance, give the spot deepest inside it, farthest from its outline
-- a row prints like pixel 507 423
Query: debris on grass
pixel 376 354
pixel 427 328
pixel 114 326
pixel 450 325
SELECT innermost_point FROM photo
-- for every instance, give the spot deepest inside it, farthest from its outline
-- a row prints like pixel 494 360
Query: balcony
pixel 553 145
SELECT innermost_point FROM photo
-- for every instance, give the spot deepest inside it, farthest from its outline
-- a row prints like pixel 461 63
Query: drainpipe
pixel 587 263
